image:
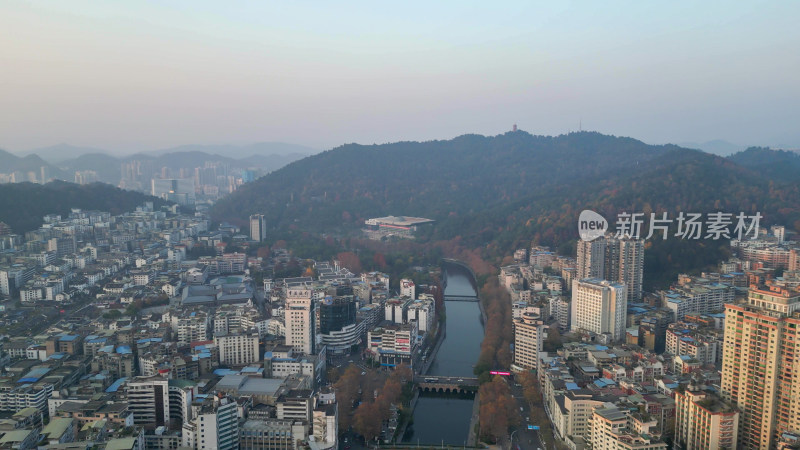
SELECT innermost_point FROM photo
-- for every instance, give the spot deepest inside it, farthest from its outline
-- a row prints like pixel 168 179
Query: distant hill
pixel 781 165
pixel 22 205
pixel 504 192
pixel 56 154
pixel 716 147
pixel 12 163
pixel 241 151
pixel 63 160
pixel 106 166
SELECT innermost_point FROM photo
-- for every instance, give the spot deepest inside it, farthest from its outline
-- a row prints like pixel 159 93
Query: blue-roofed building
pixel 696 295
pixel 124 349
pixel 700 343
pixel 34 375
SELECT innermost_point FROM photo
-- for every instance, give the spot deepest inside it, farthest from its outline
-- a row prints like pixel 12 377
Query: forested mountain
pixel 22 205
pixel 503 192
pixel 436 179
pixel 774 164
pixel 12 163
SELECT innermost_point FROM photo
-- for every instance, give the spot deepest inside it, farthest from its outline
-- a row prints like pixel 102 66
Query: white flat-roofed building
pixel 399 226
pixel 238 348
pixel 599 307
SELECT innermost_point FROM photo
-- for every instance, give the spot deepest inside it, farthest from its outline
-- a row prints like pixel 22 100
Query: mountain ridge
pixel 504 192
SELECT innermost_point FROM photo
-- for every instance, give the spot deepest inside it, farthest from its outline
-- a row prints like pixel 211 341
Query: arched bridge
pixel 434 383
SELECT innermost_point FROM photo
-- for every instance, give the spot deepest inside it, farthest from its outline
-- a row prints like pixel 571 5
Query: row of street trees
pixel 498 410
pixel 365 400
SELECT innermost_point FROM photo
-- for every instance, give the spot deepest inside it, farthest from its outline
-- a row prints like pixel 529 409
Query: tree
pixel 350 261
pixel 367 420
pixel 113 314
pixel 497 410
pixel 346 393
pixel 402 373
pixel 553 341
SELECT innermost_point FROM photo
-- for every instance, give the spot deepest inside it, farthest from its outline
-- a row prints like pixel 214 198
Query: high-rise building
pixel 528 338
pixel 178 190
pixel 630 266
pixel 300 321
pixel 759 367
pixel 703 420
pixel 591 258
pixel 599 306
pixel 337 324
pixel 619 260
pixel 238 348
pixel 215 427
pixel 148 401
pixel 258 231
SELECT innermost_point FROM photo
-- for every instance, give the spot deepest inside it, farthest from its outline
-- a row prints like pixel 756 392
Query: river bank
pixel 442 419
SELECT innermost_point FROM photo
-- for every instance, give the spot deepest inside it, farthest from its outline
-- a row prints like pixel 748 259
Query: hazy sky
pixel 136 75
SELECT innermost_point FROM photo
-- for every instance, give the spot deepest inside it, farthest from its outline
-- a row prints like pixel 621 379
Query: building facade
pixel 702 420
pixel 528 339
pixel 759 376
pixel 599 307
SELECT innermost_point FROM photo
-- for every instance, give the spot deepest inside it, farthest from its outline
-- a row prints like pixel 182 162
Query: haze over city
pixel 284 225
pixel 133 76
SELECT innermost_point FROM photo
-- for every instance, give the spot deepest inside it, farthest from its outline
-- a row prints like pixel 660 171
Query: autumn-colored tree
pixel 346 393
pixel 367 420
pixel 497 409
pixel 263 252
pixel 350 261
pixel 392 390
pixel 380 260
pixel 402 373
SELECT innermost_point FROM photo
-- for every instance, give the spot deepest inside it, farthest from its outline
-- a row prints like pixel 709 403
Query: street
pixel 522 437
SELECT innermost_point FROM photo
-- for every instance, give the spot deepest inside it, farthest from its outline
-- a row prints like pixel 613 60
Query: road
pixel 522 437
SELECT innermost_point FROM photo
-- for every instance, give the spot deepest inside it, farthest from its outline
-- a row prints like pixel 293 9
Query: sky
pixel 142 75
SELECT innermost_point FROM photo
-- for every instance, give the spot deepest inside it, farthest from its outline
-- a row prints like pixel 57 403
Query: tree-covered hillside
pixel 500 193
pixel 22 205
pixel 779 165
pixel 436 179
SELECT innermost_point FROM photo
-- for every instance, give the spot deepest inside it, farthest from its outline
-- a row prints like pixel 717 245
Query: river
pixel 445 417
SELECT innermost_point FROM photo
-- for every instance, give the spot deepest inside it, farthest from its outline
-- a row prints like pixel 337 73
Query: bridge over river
pixel 460 298
pixel 445 407
pixel 432 383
